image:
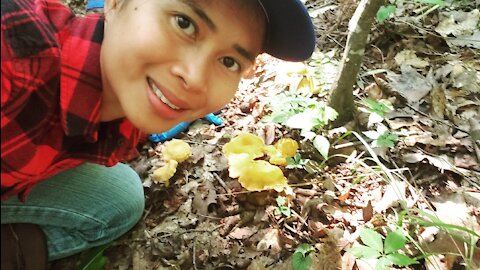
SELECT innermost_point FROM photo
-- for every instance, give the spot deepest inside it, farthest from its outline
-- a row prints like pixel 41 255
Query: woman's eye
pixel 185 24
pixel 230 63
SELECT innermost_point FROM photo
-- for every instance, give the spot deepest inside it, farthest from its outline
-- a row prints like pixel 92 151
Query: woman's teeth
pixel 159 94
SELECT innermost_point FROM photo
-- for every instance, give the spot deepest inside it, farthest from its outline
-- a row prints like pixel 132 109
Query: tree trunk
pixel 341 98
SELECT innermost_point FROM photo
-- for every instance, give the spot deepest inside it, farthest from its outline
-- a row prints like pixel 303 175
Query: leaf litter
pixel 201 218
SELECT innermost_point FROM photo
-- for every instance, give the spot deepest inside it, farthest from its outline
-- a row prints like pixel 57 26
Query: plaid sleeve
pixel 30 66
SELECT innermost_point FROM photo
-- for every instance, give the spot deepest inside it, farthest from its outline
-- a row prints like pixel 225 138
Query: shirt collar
pixel 80 76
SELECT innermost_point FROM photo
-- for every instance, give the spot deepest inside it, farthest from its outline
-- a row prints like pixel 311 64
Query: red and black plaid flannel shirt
pixel 51 96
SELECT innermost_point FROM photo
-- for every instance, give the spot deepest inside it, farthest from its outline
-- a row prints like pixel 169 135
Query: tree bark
pixel 341 98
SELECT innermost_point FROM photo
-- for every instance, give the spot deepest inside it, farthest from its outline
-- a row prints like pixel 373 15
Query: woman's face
pixel 169 61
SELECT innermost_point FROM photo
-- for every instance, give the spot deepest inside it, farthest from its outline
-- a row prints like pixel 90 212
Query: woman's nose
pixel 193 72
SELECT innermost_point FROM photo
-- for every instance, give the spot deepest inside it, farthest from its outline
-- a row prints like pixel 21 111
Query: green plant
pixel 376 109
pixel 285 105
pixel 384 12
pixel 300 258
pixel 94 258
pixel 296 162
pixel 387 252
pixel 312 118
pixel 428 220
pixel 325 68
pixel 300 112
pixel 419 218
pixel 382 137
pixel 304 113
pixel 282 208
pixel 387 11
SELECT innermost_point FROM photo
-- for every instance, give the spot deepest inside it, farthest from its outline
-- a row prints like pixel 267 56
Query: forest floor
pixel 411 169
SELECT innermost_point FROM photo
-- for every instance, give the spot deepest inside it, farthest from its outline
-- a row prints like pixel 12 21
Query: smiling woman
pixel 78 93
pixel 202 49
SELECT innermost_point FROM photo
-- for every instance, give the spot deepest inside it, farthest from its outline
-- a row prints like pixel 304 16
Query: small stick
pixel 224 185
pixel 194 260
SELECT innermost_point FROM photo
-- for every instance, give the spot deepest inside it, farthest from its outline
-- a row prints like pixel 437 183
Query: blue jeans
pixel 80 208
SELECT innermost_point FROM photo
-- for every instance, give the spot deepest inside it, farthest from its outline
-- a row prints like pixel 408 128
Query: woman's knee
pixel 127 194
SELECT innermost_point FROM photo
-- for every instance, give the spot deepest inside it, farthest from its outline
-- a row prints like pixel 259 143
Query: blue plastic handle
pixel 91 4
pixel 169 134
pixel 212 118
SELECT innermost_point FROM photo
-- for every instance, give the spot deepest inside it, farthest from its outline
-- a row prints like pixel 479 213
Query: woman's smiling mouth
pixel 160 95
pixel 167 108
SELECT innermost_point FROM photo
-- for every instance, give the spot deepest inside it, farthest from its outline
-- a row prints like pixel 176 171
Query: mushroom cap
pixel 164 173
pixel 287 146
pixel 245 143
pixel 261 175
pixel 284 148
pixel 176 150
pixel 237 164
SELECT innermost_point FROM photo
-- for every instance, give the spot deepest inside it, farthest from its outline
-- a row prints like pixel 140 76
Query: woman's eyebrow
pixel 206 19
pixel 200 13
pixel 244 52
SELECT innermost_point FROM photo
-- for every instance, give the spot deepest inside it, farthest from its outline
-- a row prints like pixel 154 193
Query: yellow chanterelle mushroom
pixel 261 175
pixel 245 143
pixel 237 164
pixel 284 148
pixel 164 173
pixel 177 150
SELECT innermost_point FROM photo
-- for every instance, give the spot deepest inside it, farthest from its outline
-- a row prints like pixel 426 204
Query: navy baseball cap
pixel 289 35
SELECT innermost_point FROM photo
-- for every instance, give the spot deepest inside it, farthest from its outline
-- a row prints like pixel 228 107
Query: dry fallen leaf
pixel 408 57
pixel 205 196
pixel 438 100
pixel 393 196
pixel 412 85
pixel 367 212
pixel 270 241
pixel 242 233
pixel 462 25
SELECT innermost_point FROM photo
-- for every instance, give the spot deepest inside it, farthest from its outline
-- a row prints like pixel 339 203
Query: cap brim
pixel 290 32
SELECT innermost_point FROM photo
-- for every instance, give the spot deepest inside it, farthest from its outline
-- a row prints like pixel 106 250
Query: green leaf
pixel 300 262
pixel 281 200
pixel 372 239
pixel 284 210
pixel 358 251
pixel 330 113
pixel 304 249
pixel 394 241
pixel 94 259
pixel 386 139
pixel 322 145
pixel 300 258
pixel 400 259
pixel 384 12
pixel 304 120
pixel 364 252
pixel 295 162
pixel 382 264
pixel 285 105
pixel 379 107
